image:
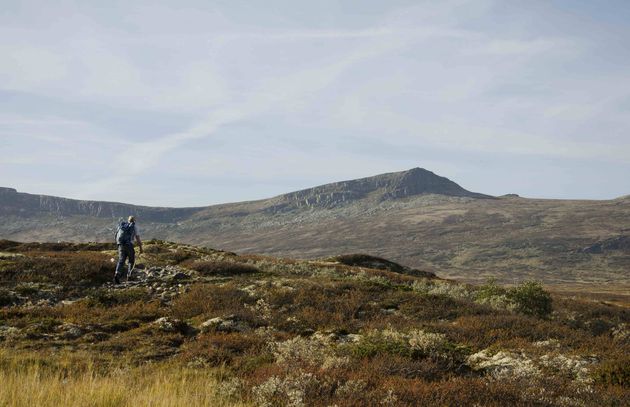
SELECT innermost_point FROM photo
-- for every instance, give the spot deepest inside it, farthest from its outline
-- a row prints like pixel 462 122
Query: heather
pixel 197 326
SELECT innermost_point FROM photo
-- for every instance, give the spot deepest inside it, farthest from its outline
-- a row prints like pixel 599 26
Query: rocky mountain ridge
pixel 396 185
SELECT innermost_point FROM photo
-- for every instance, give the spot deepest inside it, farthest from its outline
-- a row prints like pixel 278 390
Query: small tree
pixel 530 298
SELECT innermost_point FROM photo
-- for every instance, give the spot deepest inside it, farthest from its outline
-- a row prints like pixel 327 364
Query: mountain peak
pixel 394 185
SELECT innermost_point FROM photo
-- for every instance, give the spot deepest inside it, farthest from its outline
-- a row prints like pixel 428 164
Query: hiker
pixel 126 233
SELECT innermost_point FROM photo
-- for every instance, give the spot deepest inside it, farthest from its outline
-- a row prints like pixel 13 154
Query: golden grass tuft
pixel 68 382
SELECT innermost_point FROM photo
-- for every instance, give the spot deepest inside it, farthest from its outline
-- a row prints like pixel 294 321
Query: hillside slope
pixel 196 326
pixel 414 217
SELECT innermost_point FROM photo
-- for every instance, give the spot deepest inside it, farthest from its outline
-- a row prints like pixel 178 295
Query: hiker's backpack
pixel 124 233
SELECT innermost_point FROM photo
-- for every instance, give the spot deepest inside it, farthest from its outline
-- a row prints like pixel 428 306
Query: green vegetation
pixel 530 298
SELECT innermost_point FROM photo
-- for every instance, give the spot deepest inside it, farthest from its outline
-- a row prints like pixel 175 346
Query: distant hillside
pixel 415 217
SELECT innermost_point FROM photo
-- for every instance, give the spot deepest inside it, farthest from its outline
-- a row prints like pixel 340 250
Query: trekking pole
pixel 131 269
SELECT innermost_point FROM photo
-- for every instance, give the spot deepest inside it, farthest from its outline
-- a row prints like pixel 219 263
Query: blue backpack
pixel 124 233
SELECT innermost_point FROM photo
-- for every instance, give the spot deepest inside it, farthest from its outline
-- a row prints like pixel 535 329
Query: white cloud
pixel 453 75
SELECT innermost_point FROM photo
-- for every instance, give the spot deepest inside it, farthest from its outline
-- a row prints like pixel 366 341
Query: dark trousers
pixel 125 251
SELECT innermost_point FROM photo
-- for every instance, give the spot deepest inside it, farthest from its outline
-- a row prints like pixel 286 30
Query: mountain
pixel 394 185
pixel 414 217
pixel 416 181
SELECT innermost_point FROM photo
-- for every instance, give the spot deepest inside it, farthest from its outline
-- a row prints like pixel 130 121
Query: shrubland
pixel 197 326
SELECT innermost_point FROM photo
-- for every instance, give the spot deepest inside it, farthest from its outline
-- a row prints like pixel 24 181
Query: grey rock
pixel 226 324
pixel 167 324
pixel 69 331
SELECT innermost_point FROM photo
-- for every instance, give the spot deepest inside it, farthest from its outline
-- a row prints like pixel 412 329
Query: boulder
pixel 226 324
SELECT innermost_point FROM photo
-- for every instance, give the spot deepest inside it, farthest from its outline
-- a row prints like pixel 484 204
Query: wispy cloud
pixel 470 77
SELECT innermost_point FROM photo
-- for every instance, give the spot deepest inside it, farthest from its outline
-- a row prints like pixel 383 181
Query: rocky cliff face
pixel 28 205
pixel 394 185
pixel 381 187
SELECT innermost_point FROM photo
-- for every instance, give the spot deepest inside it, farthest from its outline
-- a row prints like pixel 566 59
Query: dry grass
pixel 31 380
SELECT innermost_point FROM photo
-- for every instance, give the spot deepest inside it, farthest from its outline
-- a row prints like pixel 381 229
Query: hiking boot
pixel 116 280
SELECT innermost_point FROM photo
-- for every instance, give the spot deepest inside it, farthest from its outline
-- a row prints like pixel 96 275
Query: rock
pixel 573 366
pixel 9 332
pixel 95 336
pixel 179 276
pixel 69 331
pixel 615 243
pixel 503 364
pixel 167 324
pixel 226 324
pixel 549 343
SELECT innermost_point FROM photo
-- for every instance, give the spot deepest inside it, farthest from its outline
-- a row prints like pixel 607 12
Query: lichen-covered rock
pixel 167 324
pixel 9 332
pixel 69 331
pixel 577 368
pixel 225 324
pixel 503 364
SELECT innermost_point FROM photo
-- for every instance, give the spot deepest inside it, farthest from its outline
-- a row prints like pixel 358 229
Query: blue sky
pixel 195 103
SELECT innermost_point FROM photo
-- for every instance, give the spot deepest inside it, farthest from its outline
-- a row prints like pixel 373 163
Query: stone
pixel 179 276
pixel 503 364
pixel 226 324
pixel 69 331
pixel 95 336
pixel 167 324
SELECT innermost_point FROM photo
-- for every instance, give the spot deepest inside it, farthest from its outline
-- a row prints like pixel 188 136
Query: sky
pixel 190 103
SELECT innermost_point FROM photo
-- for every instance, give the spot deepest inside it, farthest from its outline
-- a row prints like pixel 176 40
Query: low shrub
pixel 211 300
pixel 223 268
pixel 101 296
pixel 219 348
pixel 27 289
pixel 60 268
pixel 175 257
pixel 530 298
pixel 368 261
pixel 614 372
pixel 7 297
pixel 416 344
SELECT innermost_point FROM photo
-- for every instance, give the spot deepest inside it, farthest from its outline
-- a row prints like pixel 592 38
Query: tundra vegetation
pixel 197 326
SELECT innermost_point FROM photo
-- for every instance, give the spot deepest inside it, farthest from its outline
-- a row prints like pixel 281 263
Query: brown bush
pixel 222 268
pixel 369 261
pixel 223 348
pixel 123 316
pixel 175 257
pixel 210 300
pixel 11 246
pixel 59 268
pixel 614 372
pixel 323 306
pixel 481 331
pixel 143 343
